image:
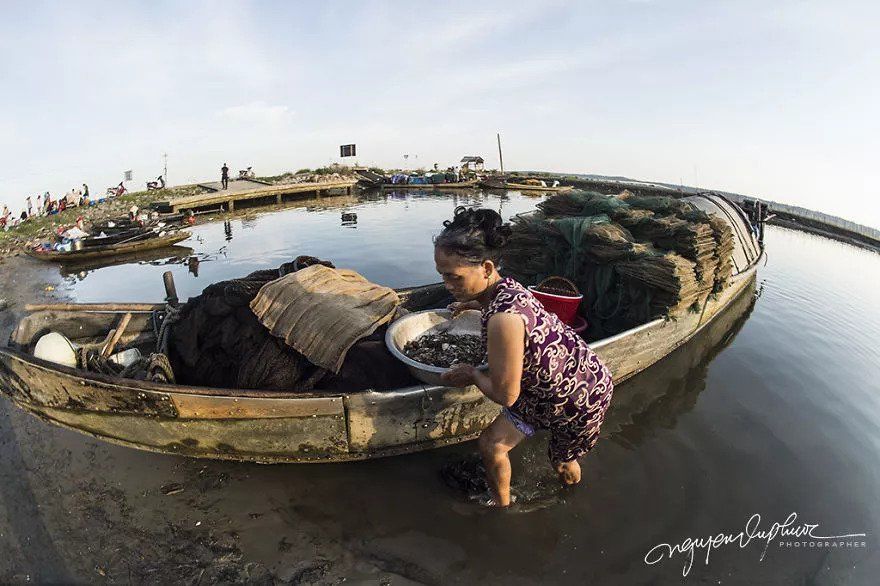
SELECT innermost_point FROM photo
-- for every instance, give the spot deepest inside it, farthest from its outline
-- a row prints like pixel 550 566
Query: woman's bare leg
pixel 496 441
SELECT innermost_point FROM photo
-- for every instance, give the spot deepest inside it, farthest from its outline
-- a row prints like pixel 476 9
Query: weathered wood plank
pixel 293 439
pixel 41 385
pixel 78 325
pixel 448 412
pixel 382 419
pixel 221 197
pixel 208 407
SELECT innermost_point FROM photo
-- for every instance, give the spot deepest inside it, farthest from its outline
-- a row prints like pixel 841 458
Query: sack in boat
pixel 321 312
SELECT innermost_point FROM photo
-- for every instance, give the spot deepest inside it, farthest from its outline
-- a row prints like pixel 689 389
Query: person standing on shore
pixel 224 176
pixel 30 207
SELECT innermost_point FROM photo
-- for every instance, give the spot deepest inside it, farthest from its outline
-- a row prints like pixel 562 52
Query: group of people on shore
pixel 46 205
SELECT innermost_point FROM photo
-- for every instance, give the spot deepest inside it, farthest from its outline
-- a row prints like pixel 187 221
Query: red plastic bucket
pixel 565 306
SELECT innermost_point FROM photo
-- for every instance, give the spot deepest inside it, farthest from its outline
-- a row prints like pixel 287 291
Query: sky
pixel 773 99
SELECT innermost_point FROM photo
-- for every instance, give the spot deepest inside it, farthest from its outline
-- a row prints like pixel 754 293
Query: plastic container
pixel 126 357
pixel 413 325
pixel 565 306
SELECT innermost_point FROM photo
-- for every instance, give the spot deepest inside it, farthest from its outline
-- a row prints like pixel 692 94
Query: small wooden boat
pixel 248 425
pixel 460 185
pixel 489 184
pixel 95 251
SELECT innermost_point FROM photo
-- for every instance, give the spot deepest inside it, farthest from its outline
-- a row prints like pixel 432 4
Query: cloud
pixel 258 113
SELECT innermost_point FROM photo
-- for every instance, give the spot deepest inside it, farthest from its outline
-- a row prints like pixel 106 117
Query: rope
pixel 156 366
pixel 163 332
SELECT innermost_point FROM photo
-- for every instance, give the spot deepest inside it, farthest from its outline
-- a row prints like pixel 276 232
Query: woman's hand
pixel 460 375
pixel 460 306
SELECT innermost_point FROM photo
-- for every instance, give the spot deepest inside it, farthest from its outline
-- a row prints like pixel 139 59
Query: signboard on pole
pixel 347 150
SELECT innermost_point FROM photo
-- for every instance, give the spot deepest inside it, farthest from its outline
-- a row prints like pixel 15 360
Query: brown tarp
pixel 321 312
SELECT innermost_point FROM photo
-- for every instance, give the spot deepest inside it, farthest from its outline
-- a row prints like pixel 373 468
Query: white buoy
pixel 56 348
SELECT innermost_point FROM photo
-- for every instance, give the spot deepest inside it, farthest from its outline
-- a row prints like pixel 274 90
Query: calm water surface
pixel 774 410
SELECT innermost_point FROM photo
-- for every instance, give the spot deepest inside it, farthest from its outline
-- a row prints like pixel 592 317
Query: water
pixel 389 243
pixel 774 411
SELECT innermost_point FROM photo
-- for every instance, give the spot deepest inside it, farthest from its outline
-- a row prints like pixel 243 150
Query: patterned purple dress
pixel 565 387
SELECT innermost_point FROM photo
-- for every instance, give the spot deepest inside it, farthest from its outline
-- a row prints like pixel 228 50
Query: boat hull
pixel 110 250
pixel 294 427
pixel 459 185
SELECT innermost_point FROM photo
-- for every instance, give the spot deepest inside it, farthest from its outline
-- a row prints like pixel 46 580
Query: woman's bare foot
pixel 569 472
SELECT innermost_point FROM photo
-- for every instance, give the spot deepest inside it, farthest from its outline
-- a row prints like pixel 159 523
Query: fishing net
pixel 217 341
pixel 635 258
pixel 580 203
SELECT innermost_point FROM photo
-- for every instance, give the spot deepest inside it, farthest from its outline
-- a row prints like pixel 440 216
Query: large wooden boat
pixel 109 250
pixel 304 427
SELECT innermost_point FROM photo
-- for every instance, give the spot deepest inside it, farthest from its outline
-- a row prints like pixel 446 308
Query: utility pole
pixel 500 158
pixel 165 175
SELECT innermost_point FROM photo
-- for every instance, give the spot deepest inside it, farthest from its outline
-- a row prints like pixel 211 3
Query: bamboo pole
pixel 117 333
pixel 131 307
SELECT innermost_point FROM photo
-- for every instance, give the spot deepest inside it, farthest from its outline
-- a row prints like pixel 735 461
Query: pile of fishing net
pixel 217 341
pixel 634 258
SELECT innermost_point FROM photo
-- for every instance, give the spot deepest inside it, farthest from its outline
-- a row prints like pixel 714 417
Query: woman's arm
pixel 506 341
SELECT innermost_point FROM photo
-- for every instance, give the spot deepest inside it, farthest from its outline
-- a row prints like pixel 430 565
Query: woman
pixel 541 371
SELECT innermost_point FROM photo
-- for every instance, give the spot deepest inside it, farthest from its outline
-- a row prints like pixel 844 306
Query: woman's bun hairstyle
pixel 477 235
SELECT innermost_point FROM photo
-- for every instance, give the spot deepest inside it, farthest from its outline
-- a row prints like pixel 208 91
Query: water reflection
pixel 656 398
pixel 384 235
pixel 158 257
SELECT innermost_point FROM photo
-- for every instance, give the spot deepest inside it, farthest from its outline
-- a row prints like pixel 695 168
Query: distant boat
pixel 92 248
pixel 457 185
pixel 500 184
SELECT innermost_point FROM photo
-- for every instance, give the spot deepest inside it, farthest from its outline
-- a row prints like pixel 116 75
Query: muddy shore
pixel 121 515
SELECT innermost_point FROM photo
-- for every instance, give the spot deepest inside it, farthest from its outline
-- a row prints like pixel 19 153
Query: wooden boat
pixel 258 426
pixel 109 250
pixel 489 184
pixel 460 185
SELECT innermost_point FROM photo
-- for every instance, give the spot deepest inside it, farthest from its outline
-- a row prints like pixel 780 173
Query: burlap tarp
pixel 321 312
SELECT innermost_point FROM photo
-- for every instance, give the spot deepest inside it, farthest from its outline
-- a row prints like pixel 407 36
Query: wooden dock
pixel 245 190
